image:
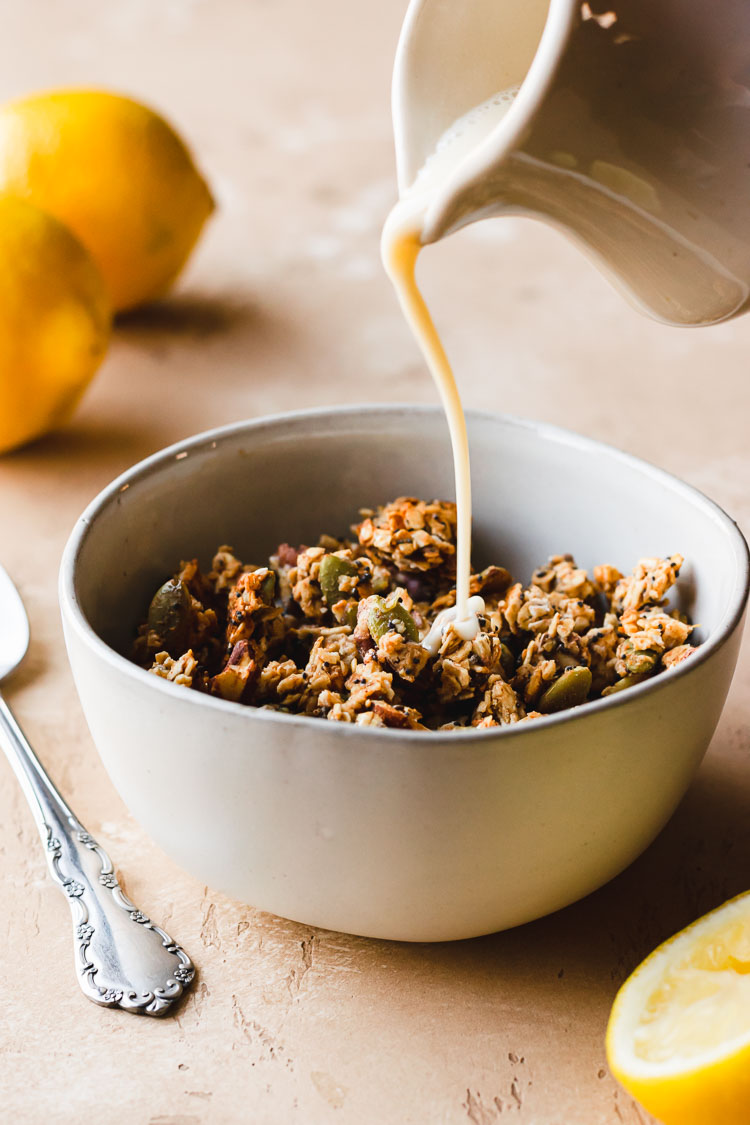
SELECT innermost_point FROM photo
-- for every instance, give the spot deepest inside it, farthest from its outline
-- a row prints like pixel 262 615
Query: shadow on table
pixel 499 1014
pixel 87 439
pixel 190 315
pixel 699 860
pixel 182 387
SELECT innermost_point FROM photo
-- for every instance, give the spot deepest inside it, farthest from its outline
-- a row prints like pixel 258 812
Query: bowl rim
pixel 74 617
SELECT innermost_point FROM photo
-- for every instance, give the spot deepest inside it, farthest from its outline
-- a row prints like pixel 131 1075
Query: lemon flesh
pixel 679 1033
pixel 117 174
pixel 54 322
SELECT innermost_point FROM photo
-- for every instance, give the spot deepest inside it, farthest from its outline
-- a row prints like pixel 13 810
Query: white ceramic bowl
pixel 396 834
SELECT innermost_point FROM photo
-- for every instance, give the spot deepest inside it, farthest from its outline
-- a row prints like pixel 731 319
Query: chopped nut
pixel 394 715
pixel 238 673
pixel 677 655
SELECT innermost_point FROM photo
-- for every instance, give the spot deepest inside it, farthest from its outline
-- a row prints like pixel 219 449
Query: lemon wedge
pixel 679 1033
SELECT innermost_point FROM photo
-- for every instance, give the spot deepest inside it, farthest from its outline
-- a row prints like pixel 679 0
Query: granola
pixel 334 630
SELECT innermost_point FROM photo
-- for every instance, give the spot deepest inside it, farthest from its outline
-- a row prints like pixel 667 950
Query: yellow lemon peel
pixel 117 174
pixel 54 326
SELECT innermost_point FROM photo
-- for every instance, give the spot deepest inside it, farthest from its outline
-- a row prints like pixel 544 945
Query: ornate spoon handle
pixel 123 959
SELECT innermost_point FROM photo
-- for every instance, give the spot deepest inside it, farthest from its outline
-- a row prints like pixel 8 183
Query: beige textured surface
pixel 285 305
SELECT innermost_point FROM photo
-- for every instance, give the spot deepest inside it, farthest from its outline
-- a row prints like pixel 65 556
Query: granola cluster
pixel 335 630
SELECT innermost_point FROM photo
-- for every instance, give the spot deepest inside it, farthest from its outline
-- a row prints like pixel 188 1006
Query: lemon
pixel 117 174
pixel 679 1034
pixel 54 322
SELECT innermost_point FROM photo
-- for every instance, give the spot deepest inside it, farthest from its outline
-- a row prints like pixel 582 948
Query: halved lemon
pixel 679 1034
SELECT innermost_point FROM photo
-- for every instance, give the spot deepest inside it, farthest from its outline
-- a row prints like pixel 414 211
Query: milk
pixel 459 140
pixel 400 246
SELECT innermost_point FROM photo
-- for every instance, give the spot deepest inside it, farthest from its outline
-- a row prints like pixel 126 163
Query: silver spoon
pixel 123 959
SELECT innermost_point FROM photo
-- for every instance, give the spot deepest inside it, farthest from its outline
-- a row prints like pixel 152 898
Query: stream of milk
pixel 400 245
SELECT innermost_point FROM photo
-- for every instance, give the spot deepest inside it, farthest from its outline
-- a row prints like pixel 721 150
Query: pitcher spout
pixel 627 133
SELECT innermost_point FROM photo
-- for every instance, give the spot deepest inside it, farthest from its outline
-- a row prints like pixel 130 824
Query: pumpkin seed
pixel 169 616
pixel 387 615
pixel 332 569
pixel 570 690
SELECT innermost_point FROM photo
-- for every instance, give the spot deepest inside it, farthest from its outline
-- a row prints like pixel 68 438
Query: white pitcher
pixel 631 133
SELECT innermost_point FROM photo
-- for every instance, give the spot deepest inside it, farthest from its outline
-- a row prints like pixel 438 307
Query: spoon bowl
pixel 14 635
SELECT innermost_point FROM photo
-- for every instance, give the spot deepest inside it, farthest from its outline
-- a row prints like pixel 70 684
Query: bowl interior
pixel 537 491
